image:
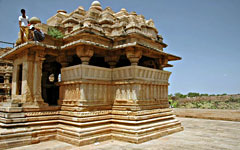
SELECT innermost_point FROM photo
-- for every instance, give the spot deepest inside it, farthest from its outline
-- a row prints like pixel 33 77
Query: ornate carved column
pixel 84 53
pixel 37 78
pixel 7 83
pixel 133 54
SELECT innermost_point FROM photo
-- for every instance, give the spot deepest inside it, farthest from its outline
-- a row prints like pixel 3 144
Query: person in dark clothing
pixel 38 35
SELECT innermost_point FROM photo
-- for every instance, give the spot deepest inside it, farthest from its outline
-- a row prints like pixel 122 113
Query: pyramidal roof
pixel 104 21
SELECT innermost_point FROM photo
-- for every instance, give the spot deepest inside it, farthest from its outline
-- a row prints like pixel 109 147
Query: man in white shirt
pixel 23 25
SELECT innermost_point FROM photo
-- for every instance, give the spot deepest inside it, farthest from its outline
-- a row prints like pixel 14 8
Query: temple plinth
pixel 104 79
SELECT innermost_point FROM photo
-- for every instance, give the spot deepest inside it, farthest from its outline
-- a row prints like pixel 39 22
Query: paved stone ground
pixel 198 134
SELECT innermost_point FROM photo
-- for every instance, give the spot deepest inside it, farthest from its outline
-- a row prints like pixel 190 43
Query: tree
pixel 193 94
pixel 203 94
pixel 179 95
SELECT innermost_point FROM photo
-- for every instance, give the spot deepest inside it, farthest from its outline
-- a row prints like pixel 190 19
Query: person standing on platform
pixel 23 25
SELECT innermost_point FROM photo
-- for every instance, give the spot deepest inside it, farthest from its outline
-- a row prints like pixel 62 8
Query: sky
pixel 205 33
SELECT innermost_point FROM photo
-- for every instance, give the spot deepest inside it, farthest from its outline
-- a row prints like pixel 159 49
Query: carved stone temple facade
pixel 5 76
pixel 103 80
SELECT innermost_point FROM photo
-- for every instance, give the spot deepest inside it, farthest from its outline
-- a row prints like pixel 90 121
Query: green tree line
pixel 193 94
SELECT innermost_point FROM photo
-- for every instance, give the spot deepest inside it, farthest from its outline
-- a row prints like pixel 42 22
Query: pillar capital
pixel 7 78
pixel 40 56
pixel 84 53
pixel 133 54
pixel 62 59
pixel 112 59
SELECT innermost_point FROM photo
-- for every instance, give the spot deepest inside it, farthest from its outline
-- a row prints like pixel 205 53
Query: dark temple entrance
pixel 50 71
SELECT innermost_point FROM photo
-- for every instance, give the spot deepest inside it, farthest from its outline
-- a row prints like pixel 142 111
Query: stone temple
pixel 103 80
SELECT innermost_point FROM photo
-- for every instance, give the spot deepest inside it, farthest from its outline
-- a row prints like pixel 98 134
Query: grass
pixel 55 33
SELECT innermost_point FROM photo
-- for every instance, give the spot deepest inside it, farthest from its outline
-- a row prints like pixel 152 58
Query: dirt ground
pixel 198 134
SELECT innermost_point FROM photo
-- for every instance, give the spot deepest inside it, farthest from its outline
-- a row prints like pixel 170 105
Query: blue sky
pixel 205 33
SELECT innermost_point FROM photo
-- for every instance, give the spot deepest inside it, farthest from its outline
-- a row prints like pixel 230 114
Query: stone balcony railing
pixel 79 72
pixel 141 73
pixel 85 72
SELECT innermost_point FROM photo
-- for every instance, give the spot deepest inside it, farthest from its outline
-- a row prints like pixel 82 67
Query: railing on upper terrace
pixel 123 73
pixel 7 43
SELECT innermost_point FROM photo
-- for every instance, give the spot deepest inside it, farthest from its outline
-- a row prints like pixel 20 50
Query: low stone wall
pixel 216 114
pixel 208 98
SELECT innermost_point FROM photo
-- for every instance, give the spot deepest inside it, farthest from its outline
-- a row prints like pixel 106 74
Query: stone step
pixel 145 126
pixel 140 113
pixel 85 141
pixel 143 121
pixel 10 109
pixel 10 104
pixel 142 139
pixel 146 131
pixel 15 136
pixel 11 115
pixel 28 123
pixel 14 143
pixel 11 120
pixel 143 117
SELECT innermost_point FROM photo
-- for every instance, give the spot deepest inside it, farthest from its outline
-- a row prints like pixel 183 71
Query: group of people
pixel 27 30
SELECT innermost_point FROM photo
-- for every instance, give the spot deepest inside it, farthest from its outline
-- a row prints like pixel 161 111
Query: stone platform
pixel 95 104
pixel 198 134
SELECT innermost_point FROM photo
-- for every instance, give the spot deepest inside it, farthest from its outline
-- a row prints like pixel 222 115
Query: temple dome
pixel 34 20
pixel 61 11
pixel 96 3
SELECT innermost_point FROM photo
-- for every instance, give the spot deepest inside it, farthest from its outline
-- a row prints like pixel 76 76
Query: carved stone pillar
pixel 14 80
pixel 37 78
pixel 7 82
pixel 112 59
pixel 27 77
pixel 84 53
pixel 7 78
pixel 133 54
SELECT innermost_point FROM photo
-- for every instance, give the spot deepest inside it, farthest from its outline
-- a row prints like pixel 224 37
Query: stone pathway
pixel 198 134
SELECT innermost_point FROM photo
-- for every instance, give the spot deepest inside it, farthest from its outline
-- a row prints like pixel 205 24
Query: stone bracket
pixel 112 59
pixel 133 54
pixel 163 62
pixel 62 59
pixel 84 53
